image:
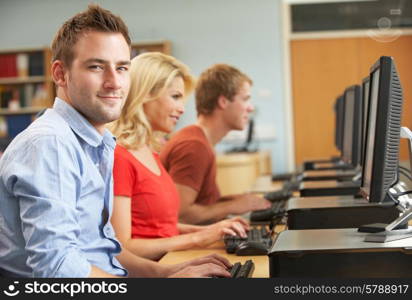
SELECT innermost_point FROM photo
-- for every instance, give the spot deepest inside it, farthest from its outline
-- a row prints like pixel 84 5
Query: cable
pixel 395 200
pixel 397 195
pixel 405 169
pixel 394 197
pixel 407 175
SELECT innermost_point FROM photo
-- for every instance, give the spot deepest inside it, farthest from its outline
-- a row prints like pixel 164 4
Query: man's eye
pixel 123 68
pixel 95 67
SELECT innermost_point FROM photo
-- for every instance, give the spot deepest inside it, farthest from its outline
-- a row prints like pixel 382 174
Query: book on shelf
pixel 40 97
pixel 36 64
pixel 22 65
pixel 8 65
pixel 3 127
pixel 28 94
pixel 5 96
pixel 14 97
pixel 17 123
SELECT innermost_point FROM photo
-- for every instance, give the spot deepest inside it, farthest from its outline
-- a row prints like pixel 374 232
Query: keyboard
pixel 241 271
pixel 283 176
pixel 258 242
pixel 277 210
pixel 278 195
pixel 292 185
pixel 285 193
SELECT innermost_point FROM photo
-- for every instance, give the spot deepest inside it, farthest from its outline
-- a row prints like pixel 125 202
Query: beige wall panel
pixel 321 69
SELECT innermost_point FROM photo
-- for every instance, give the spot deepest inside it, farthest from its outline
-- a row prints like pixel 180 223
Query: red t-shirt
pixel 154 199
pixel 190 160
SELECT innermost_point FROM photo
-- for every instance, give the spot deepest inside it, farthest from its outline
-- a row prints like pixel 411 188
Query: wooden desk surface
pixel 261 262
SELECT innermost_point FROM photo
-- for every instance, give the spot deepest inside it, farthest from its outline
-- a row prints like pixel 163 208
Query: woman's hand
pixel 215 232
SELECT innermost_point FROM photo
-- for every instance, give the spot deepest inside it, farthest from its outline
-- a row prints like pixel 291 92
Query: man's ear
pixel 222 102
pixel 58 73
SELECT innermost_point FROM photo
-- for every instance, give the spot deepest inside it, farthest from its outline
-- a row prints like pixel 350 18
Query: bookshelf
pixel 25 87
pixel 163 46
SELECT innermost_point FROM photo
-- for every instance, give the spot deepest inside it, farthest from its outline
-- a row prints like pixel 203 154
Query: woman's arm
pixel 187 228
pixel 149 248
pixel 155 248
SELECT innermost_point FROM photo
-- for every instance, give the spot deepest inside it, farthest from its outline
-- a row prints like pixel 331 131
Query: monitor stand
pixel 383 232
pixel 337 212
pixel 339 175
pixel 386 232
pixel 339 165
pixel 338 253
pixel 310 164
pixel 328 188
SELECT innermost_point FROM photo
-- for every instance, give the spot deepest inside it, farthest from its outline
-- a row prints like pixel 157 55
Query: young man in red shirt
pixel 222 104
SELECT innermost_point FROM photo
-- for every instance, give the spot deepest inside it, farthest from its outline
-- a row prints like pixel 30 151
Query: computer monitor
pixel 352 129
pixel 249 139
pixel 250 133
pixel 380 170
pixel 339 111
pixel 365 102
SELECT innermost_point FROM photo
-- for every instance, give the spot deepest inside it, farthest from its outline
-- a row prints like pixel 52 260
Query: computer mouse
pixel 251 248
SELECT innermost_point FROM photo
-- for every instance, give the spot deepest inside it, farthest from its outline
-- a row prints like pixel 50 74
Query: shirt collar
pixel 81 126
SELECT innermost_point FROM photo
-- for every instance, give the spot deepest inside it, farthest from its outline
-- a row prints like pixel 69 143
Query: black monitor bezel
pixel 339 116
pixel 365 108
pixel 387 74
pixel 355 136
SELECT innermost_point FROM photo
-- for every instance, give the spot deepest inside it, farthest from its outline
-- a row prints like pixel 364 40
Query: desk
pixel 338 253
pixel 261 262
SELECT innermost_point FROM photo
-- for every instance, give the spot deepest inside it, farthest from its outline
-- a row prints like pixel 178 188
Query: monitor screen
pixel 250 132
pixel 249 140
pixel 383 131
pixel 365 102
pixel 339 111
pixel 370 141
pixel 352 126
pixel 348 126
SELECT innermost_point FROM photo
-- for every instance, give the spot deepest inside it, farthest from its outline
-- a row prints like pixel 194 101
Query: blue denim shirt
pixel 56 196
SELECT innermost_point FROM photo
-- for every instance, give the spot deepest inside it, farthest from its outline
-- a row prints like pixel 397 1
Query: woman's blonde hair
pixel 151 73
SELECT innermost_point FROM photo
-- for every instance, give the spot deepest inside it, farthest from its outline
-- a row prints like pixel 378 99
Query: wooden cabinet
pixel 237 172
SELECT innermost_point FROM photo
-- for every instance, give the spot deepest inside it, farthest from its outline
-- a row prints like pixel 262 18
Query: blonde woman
pixel 146 202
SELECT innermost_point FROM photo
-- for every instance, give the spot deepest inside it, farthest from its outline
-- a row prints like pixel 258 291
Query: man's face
pixel 98 81
pixel 237 111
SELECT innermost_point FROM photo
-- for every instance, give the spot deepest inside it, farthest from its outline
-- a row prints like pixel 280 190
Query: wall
pixel 317 75
pixel 244 33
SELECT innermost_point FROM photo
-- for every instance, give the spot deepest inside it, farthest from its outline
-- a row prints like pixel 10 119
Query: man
pixel 56 176
pixel 222 104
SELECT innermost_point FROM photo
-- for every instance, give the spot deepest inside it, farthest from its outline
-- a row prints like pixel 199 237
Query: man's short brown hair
pixel 94 18
pixel 218 80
